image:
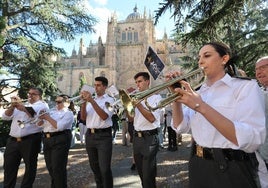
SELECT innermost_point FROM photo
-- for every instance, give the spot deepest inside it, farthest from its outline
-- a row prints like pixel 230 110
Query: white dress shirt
pixel 63 117
pixel 241 101
pixel 93 120
pixel 140 122
pixel 29 128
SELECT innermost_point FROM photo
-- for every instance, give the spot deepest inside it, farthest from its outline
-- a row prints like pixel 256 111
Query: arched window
pixel 129 36
pixel 124 36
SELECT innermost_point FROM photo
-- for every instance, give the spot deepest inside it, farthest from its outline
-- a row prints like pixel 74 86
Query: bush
pixel 4 132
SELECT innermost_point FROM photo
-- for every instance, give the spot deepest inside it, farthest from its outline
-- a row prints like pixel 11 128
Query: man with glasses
pixel 261 73
pixel 24 141
pixel 57 140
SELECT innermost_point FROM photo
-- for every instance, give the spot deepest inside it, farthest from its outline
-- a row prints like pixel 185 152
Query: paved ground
pixel 172 168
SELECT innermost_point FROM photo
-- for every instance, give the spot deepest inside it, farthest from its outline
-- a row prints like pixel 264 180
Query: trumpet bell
pixel 127 102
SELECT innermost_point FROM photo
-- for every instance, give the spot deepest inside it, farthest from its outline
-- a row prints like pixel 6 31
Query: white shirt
pixel 64 118
pixel 241 101
pixel 93 120
pixel 29 128
pixel 140 122
pixel 264 148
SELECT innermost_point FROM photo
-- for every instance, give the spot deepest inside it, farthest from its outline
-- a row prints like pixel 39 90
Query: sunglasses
pixel 58 102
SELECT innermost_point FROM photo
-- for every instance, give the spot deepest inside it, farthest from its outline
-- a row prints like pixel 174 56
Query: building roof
pixel 135 15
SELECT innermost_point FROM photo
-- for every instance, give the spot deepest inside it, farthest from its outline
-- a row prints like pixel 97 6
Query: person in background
pixel 115 125
pixel 57 136
pixel 172 135
pixel 25 138
pixel 125 134
pixel 73 129
pixel 261 73
pixel 99 132
pixel 82 128
pixel 145 140
pixel 227 119
pixel 160 129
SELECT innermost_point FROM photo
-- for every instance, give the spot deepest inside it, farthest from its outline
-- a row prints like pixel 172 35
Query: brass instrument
pixel 77 100
pixel 6 104
pixel 116 106
pixel 32 120
pixel 129 101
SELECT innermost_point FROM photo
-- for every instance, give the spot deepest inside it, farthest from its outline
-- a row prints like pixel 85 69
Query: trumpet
pixel 6 104
pixel 32 120
pixel 77 100
pixel 129 101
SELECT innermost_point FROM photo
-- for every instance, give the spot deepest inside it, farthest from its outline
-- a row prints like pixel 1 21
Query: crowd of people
pixel 226 117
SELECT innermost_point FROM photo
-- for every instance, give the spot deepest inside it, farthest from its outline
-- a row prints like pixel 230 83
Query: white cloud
pixel 101 2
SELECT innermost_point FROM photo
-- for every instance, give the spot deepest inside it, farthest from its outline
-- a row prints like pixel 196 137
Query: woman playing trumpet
pixel 227 120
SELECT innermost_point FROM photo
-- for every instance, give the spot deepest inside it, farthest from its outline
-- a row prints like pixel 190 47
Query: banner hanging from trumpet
pixel 153 63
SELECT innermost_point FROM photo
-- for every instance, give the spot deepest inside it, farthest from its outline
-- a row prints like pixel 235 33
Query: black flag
pixel 153 63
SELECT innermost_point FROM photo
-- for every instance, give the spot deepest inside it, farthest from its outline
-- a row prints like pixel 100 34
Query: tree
pixel 240 24
pixel 29 30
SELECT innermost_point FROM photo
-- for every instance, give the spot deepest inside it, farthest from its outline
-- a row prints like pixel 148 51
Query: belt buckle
pixel 92 131
pixel 47 135
pixel 18 139
pixel 199 151
pixel 139 134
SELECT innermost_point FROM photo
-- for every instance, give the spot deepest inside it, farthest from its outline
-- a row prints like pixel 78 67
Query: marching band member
pixel 145 139
pixel 57 138
pixel 99 132
pixel 24 142
pixel 227 119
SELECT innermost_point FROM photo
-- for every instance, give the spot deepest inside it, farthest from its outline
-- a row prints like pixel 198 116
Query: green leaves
pixel 240 24
pixel 28 31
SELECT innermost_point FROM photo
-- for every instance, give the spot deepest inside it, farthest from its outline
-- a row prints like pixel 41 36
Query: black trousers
pixel 99 150
pixel 172 138
pixel 56 150
pixel 205 173
pixel 26 149
pixel 145 149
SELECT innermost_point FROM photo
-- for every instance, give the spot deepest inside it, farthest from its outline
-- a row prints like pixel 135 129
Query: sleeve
pixel 250 123
pixel 65 122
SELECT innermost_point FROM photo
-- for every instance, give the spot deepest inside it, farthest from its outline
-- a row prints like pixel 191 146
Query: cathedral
pixel 121 57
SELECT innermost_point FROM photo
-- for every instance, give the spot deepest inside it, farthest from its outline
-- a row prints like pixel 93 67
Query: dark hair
pixel 102 79
pixel 39 90
pixel 224 49
pixel 65 98
pixel 145 75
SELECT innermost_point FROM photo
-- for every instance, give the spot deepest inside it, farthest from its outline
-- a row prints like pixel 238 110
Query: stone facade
pixel 121 57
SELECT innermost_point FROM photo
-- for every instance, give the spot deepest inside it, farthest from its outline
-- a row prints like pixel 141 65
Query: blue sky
pixel 103 9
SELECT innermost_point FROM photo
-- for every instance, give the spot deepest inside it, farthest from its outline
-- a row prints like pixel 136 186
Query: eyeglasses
pixel 33 94
pixel 58 102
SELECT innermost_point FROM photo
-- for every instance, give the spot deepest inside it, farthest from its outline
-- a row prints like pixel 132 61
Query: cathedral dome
pixel 135 15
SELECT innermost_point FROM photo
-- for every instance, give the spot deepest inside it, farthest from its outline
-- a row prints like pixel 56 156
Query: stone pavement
pixel 172 169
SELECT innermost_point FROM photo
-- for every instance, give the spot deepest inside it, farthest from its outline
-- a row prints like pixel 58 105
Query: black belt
pixel 94 130
pixel 123 119
pixel 52 134
pixel 145 133
pixel 229 154
pixel 19 139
